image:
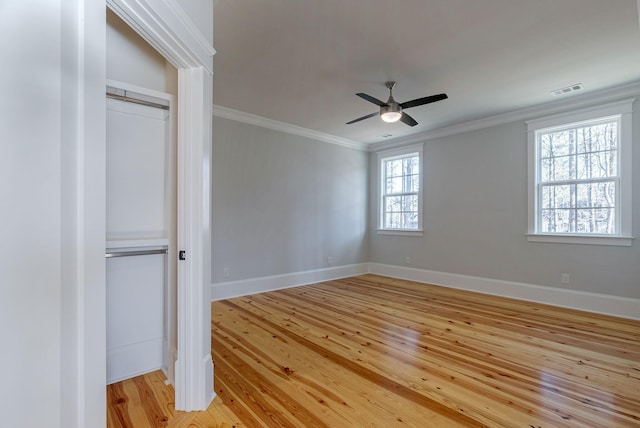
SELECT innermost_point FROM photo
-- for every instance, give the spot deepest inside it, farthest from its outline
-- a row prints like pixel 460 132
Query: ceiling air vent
pixel 568 89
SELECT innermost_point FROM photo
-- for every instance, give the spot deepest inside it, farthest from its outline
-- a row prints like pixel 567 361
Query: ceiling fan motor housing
pixel 391 112
pixel 391 107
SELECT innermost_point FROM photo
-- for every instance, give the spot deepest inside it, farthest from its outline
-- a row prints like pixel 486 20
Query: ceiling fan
pixel 392 111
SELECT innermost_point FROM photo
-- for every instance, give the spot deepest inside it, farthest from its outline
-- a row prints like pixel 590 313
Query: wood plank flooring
pixel 371 351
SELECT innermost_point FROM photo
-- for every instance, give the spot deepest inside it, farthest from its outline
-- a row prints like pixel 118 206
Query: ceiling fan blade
pixel 423 101
pixel 364 117
pixel 405 118
pixel 371 99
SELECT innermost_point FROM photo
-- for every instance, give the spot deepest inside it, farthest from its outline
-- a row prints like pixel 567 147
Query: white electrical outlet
pixel 564 278
pixel 329 260
pixel 408 260
pixel 226 273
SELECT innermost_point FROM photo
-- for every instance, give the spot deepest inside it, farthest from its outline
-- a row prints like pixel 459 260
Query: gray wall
pixel 475 206
pixel 283 203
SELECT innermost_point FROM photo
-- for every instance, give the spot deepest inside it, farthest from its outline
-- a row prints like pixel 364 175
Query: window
pixel 580 176
pixel 400 191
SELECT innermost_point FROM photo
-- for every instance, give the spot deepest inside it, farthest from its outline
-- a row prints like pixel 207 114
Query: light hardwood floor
pixel 371 351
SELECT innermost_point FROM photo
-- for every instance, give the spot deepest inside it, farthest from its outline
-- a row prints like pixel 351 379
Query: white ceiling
pixel 301 61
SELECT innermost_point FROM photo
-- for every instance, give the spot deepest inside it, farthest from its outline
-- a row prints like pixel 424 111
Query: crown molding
pixel 263 122
pixel 167 27
pixel 528 113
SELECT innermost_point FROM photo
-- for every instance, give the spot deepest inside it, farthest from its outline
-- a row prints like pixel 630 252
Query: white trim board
pixel 251 119
pixel 134 359
pixel 244 287
pixel 624 307
pixel 166 27
pixel 591 302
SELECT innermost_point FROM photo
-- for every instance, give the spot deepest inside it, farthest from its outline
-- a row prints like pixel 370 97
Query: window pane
pixel 393 168
pixel 596 195
pixel 411 173
pixel 409 203
pixel 563 168
pixel 547 221
pixel 557 220
pixel 393 220
pixel 558 169
pixel 612 162
pixel 596 220
pixel 596 138
pixel 393 204
pixel 415 163
pixel 401 203
pixel 598 165
pixel 411 220
pixel 603 164
pixel 555 144
pixel 412 183
pixel 401 212
pixel 402 175
pixel 545 146
pixel 558 196
pixel 546 170
pixel 610 136
pixel 408 165
pixel 394 185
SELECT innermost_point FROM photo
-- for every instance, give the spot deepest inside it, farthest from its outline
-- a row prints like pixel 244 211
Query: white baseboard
pixel 624 307
pixel 209 380
pixel 125 362
pixel 592 302
pixel 227 290
pixel 168 365
pixel 198 392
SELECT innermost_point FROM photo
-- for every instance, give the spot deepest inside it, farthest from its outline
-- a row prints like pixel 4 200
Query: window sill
pixel 400 232
pixel 620 241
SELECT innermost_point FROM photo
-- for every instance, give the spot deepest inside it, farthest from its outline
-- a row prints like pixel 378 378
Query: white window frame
pixel 621 110
pixel 395 154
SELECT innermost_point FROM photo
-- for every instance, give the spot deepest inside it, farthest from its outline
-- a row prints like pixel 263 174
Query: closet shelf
pixel 137 243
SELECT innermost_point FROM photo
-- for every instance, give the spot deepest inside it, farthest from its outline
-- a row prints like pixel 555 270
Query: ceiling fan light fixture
pixel 391 113
pixel 391 116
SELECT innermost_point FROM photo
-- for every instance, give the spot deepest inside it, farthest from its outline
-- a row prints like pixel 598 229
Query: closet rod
pixel 134 253
pixel 136 101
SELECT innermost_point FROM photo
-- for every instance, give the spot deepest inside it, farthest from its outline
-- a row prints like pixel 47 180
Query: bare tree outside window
pixel 578 179
pixel 401 178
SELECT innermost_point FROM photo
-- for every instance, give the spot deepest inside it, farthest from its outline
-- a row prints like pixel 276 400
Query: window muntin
pixel 400 190
pixel 578 178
